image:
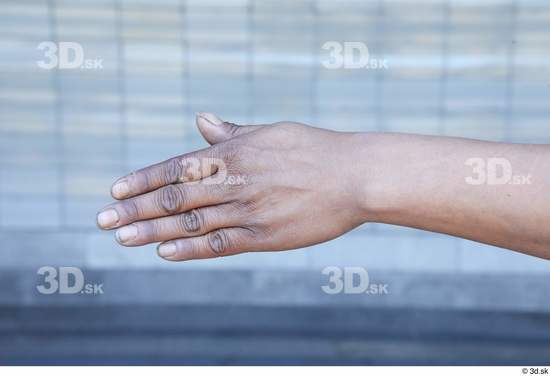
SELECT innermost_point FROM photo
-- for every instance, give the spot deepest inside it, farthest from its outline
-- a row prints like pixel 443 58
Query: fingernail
pixel 211 118
pixel 167 250
pixel 107 218
pixel 120 189
pixel 126 233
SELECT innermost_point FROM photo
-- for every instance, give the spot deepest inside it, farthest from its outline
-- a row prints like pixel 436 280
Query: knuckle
pixel 131 209
pixel 247 210
pixel 172 171
pixel 233 129
pixel 218 242
pixel 171 199
pixel 216 190
pixel 192 221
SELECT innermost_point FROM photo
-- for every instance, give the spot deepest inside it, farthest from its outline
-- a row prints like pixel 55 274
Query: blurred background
pixel 477 69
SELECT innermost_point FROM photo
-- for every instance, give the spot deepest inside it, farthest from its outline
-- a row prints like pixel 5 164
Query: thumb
pixel 215 130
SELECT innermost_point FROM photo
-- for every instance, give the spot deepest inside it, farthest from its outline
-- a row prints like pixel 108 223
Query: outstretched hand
pixel 256 188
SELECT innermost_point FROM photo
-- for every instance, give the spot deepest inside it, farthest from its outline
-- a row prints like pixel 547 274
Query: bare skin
pixel 287 185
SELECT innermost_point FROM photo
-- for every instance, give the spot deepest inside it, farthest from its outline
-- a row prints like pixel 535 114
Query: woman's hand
pixel 257 188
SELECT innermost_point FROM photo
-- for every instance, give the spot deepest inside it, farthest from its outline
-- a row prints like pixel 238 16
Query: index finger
pixel 180 169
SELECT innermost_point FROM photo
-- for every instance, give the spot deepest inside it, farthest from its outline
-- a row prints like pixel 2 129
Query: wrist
pixel 376 184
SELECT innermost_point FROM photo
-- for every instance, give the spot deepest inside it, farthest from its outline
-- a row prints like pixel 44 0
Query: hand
pixel 257 188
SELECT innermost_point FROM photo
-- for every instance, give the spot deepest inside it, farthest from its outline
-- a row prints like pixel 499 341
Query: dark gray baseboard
pixel 225 334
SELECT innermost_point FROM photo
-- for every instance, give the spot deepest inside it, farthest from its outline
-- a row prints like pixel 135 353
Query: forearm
pixel 446 185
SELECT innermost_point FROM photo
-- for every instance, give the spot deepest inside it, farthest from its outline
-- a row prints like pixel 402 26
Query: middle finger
pixel 166 201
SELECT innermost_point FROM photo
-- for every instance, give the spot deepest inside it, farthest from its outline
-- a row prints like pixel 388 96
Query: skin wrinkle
pixel 173 171
pixel 171 199
pixel 218 242
pixel 132 210
pixel 234 129
pixel 191 222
